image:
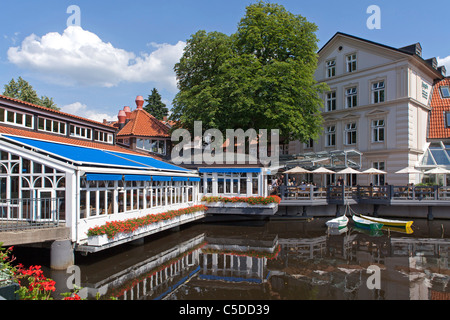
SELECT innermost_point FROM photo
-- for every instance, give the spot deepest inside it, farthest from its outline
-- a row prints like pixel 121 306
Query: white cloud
pixel 444 62
pixel 80 57
pixel 81 110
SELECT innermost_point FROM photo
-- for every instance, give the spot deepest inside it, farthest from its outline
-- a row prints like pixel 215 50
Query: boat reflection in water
pixel 275 260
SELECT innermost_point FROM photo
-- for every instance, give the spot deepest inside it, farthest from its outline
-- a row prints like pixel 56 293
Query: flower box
pixel 119 230
pixel 9 292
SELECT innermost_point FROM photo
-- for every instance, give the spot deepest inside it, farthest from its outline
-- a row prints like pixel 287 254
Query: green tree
pixel 199 75
pixel 22 90
pixel 155 106
pixel 260 77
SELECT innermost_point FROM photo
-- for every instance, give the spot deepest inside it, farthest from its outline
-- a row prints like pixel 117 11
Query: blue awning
pixel 194 179
pixel 135 177
pixel 90 156
pixel 148 161
pixel 161 178
pixel 103 177
pixel 229 170
pixel 180 179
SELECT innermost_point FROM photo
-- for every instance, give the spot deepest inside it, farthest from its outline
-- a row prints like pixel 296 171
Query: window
pixel 379 179
pixel 351 97
pixel 124 141
pixel 330 137
pixel 378 94
pixel 350 134
pixel 309 144
pixel 103 136
pixel 351 63
pixel 51 126
pixel 80 132
pixel 445 92
pixel 331 68
pixel 447 119
pixel 331 101
pixel 16 118
pixel 378 131
pixel 156 146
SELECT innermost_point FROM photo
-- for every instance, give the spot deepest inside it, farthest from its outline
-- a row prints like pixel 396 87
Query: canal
pixel 284 259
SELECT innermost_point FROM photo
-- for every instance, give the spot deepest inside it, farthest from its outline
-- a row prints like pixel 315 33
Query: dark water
pixel 265 260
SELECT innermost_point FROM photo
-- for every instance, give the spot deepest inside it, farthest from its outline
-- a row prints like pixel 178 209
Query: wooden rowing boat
pixel 390 222
pixel 366 224
pixel 339 222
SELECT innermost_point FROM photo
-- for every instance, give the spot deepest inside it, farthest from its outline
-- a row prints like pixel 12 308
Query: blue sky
pixel 127 48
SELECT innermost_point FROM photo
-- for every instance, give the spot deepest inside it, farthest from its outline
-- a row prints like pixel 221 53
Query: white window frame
pixel 379 179
pixel 16 116
pixel 331 68
pixel 330 100
pixel 378 87
pixel 351 62
pixel 351 133
pixel 351 97
pixel 446 94
pixel 53 124
pixel 79 134
pixel 378 126
pixel 329 135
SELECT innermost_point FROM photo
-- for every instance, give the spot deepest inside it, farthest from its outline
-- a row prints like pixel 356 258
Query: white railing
pixel 20 214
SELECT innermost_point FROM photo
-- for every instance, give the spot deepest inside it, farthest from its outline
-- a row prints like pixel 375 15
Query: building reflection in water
pixel 223 262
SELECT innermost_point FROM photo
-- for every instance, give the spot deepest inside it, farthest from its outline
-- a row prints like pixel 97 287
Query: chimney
pixel 139 102
pixel 127 111
pixel 122 117
pixel 165 118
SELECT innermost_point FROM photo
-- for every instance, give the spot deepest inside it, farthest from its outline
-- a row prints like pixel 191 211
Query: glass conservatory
pixel 85 187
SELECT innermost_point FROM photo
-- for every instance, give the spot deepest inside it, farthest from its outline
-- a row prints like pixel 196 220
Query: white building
pixel 378 104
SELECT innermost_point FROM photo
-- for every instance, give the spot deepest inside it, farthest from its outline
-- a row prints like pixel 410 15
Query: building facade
pixel 140 131
pixel 378 104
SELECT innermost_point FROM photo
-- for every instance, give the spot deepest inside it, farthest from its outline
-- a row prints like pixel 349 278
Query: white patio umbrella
pixel 349 171
pixel 438 170
pixel 323 171
pixel 373 171
pixel 408 170
pixel 346 171
pixel 297 170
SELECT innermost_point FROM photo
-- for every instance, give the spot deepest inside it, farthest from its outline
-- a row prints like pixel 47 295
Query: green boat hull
pixel 366 224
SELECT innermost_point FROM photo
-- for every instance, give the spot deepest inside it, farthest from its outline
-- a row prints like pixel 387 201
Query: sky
pixel 118 50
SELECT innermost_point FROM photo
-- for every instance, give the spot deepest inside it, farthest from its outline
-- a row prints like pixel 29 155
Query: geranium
pixel 33 284
pixel 249 200
pixel 112 228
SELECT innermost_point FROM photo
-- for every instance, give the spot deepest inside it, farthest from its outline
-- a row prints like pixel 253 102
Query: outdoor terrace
pixel 381 195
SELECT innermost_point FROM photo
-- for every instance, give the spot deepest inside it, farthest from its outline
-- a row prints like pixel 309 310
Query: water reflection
pixel 274 260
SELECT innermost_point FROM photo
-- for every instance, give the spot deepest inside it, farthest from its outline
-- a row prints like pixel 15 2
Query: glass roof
pixel 331 160
pixel 437 154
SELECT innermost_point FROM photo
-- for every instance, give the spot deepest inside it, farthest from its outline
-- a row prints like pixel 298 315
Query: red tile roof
pixel 63 139
pixel 141 123
pixel 56 112
pixel 437 128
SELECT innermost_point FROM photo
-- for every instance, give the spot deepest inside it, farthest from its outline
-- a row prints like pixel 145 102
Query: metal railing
pixel 22 214
pixel 380 194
